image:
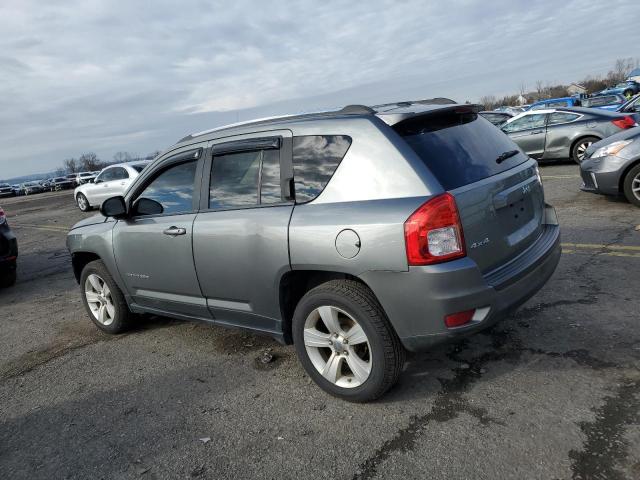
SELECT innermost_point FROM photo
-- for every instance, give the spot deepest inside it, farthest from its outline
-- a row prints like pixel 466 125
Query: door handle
pixel 536 132
pixel 175 231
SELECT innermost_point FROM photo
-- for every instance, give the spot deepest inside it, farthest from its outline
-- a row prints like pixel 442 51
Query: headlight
pixel 611 149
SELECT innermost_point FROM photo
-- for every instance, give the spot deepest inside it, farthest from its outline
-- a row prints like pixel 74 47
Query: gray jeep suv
pixel 355 235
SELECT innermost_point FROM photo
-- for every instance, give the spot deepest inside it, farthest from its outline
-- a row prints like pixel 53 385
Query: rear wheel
pixel 103 299
pixel 579 149
pixel 8 278
pixel 345 342
pixel 631 186
pixel 83 203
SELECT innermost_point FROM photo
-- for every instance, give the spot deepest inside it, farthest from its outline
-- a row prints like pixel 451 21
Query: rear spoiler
pixel 393 118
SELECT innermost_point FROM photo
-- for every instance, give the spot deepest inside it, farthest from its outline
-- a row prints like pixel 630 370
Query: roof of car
pixel 129 164
pixel 390 113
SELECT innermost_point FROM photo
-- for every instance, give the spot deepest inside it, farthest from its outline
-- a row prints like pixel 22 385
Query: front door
pixel 153 248
pixel 240 236
pixel 529 132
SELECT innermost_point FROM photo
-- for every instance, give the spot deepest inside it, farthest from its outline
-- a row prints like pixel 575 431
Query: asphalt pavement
pixel 553 392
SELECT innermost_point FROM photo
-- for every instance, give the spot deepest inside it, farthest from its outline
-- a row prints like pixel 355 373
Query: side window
pixel 315 158
pixel 525 123
pixel 119 173
pixel 105 176
pixel 556 118
pixel 242 179
pixel 173 188
pixel 563 103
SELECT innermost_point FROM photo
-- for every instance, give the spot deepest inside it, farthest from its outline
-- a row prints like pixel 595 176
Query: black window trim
pixel 283 138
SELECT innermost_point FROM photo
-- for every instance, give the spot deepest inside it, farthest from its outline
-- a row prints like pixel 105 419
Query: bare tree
pixel 153 155
pixel 523 89
pixel 121 157
pixel 540 88
pixel 71 165
pixel 60 172
pixel 489 102
pixel 89 161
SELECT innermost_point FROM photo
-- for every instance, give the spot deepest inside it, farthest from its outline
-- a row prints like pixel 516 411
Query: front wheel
pixel 345 341
pixel 631 186
pixel 103 299
pixel 579 150
pixel 83 203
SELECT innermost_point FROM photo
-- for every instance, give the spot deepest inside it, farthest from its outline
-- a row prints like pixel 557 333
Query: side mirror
pixel 96 180
pixel 146 206
pixel 114 207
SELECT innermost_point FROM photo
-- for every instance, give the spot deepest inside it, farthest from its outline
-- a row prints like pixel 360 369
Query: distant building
pixel 576 89
pixel 521 100
pixel 634 75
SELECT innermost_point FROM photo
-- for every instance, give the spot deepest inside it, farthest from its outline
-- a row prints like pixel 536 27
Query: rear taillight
pixel 624 122
pixel 433 233
pixel 458 319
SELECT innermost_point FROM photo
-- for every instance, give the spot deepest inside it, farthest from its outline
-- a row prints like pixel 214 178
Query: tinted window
pixel 138 168
pixel 459 148
pixel 173 188
pixel 106 175
pixel 496 118
pixel 270 191
pixel 120 173
pixel 524 123
pixel 234 180
pixel 556 118
pixel 315 158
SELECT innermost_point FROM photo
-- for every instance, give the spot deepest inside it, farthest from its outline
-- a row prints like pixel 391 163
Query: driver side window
pixel 173 188
pixel 105 176
pixel 525 123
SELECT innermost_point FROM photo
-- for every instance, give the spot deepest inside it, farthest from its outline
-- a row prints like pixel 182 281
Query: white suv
pixel 113 180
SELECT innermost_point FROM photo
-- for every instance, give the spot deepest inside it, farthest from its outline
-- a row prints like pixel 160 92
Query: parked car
pixel 563 133
pixel 29 188
pixel 555 103
pixel 17 190
pixel 6 190
pixel 497 118
pixel 605 102
pixel 62 183
pixel 85 177
pixel 354 234
pixel 8 252
pixel 632 108
pixel 627 88
pixel 113 180
pixel 612 166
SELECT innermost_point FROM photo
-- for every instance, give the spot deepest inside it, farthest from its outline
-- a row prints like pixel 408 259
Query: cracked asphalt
pixel 553 392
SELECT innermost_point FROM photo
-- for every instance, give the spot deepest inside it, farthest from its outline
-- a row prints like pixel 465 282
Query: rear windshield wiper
pixel 505 155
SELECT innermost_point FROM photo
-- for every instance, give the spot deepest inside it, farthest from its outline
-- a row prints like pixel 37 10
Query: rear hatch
pixel 496 186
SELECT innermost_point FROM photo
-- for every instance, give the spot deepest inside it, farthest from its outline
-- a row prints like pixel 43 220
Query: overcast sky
pixel 107 76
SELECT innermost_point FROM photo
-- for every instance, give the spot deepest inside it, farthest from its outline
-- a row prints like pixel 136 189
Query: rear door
pixel 561 127
pixel 154 247
pixel 500 200
pixel 240 237
pixel 529 132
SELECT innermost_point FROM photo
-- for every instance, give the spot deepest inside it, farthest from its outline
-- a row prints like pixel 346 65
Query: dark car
pixel 612 166
pixel 61 183
pixel 29 188
pixel 6 190
pixel 563 133
pixel 8 252
pixel 497 118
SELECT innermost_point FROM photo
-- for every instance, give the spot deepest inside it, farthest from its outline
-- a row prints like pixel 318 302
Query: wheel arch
pixel 624 174
pixel 79 260
pixel 294 284
pixel 582 137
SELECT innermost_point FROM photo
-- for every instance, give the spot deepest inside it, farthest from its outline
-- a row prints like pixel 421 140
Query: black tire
pixel 576 150
pixel 632 176
pixel 83 203
pixel 8 278
pixel 123 318
pixel 386 352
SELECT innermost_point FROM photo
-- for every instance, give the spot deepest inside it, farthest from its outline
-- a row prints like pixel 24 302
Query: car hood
pixel 90 221
pixel 623 135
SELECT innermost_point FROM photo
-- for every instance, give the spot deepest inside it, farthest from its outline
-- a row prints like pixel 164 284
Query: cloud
pixel 109 76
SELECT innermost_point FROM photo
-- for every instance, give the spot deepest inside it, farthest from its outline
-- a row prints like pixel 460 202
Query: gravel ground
pixel 552 392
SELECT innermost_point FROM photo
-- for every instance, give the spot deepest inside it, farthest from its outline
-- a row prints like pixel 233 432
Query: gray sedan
pixel 563 133
pixel 612 166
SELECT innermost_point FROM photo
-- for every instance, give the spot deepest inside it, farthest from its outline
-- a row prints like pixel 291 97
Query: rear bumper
pixel 8 249
pixel 417 301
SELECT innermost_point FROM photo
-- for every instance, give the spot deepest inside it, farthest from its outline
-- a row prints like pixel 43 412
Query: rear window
pixel 139 167
pixel 315 158
pixel 459 148
pixel 599 101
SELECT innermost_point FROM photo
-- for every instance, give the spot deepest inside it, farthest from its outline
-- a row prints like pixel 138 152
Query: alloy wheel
pixel 635 186
pixel 99 299
pixel 582 149
pixel 82 202
pixel 337 346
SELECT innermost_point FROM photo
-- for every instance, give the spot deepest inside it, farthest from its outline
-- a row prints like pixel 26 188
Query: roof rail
pixel 425 101
pixel 356 110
